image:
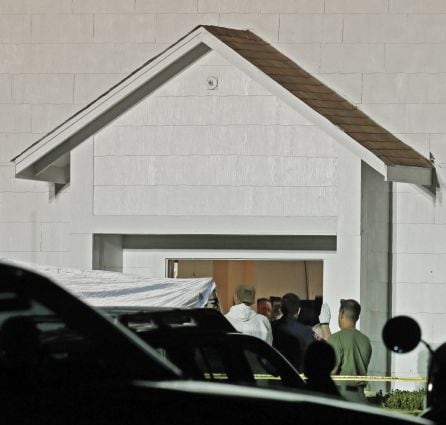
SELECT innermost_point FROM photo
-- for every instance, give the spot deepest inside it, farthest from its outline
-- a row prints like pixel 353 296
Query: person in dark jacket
pixel 319 362
pixel 290 336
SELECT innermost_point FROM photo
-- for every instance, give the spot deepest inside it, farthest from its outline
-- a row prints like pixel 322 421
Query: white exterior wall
pixel 385 55
pixel 419 283
pixel 229 152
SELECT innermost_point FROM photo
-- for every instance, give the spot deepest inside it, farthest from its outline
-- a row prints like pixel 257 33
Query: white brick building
pixel 189 160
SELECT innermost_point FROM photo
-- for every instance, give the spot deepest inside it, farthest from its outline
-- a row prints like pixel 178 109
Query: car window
pixel 36 344
pixel 197 361
pixel 265 372
pixel 211 363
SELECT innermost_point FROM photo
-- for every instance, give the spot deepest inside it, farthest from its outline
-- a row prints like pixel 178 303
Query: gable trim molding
pixel 48 159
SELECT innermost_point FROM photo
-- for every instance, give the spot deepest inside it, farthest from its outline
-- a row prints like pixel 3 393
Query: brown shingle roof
pixel 320 97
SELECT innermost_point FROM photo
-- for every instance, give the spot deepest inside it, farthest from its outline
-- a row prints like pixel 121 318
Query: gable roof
pixel 48 158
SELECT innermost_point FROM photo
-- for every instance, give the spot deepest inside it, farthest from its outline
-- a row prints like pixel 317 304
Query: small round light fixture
pixel 212 83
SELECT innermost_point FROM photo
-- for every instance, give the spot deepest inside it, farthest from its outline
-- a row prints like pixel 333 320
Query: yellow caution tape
pixel 377 378
pixel 259 377
pixel 216 376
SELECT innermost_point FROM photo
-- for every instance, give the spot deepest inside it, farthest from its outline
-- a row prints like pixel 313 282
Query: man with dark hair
pixel 353 350
pixel 264 307
pixel 276 313
pixel 290 336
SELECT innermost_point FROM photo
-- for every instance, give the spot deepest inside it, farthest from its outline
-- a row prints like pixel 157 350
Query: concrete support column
pixel 81 187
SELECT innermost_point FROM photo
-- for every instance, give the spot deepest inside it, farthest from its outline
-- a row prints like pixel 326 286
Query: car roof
pixel 146 318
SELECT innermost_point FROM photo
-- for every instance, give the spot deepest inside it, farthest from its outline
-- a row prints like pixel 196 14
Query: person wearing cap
pixel 353 350
pixel 245 319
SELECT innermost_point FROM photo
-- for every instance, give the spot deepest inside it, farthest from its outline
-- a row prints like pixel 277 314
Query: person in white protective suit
pixel 245 319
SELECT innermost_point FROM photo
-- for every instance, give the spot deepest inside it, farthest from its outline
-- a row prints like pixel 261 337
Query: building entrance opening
pixel 272 279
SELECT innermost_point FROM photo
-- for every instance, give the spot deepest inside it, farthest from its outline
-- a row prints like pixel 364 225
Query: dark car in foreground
pixel 62 362
pixel 205 346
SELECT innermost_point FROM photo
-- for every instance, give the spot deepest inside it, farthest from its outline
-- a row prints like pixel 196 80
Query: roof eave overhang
pixel 52 174
pixel 406 174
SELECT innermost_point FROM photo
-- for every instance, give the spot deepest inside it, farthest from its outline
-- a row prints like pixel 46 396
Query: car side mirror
pixel 401 334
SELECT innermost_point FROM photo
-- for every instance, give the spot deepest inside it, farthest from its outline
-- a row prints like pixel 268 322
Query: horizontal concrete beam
pixel 232 242
pixel 404 174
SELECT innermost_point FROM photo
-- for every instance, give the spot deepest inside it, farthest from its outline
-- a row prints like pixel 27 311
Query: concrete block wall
pixel 387 56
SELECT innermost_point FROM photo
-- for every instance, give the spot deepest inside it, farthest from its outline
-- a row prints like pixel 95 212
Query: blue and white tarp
pixel 102 288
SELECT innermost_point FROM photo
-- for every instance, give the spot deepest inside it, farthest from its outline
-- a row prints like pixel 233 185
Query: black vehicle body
pixel 205 346
pixel 74 366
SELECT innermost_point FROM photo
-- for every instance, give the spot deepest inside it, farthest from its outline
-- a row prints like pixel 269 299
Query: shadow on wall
pixel 422 361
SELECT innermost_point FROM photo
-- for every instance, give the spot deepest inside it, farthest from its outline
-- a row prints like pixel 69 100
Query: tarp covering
pixel 103 288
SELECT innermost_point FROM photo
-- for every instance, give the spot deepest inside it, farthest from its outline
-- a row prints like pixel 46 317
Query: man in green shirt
pixel 353 350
